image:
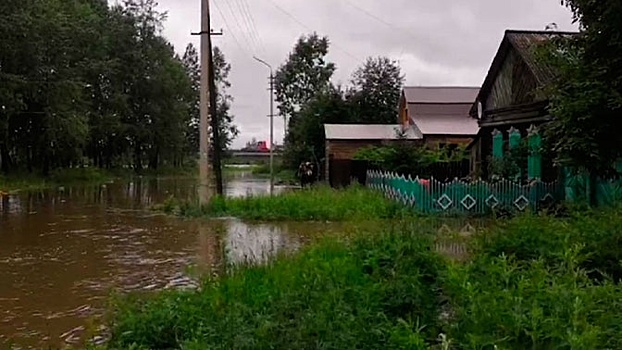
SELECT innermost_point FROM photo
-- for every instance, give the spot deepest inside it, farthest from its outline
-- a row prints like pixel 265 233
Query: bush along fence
pixel 470 198
pixel 508 194
pixel 511 191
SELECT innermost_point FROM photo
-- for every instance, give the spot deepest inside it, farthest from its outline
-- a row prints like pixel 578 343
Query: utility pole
pixel 271 116
pixel 205 190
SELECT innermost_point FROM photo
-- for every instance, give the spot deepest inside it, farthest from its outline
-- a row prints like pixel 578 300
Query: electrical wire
pixel 251 30
pixel 244 20
pixel 378 19
pixel 224 19
pixel 249 14
pixel 293 18
pixel 243 33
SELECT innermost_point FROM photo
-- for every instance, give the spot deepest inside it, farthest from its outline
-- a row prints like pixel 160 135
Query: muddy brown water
pixel 63 251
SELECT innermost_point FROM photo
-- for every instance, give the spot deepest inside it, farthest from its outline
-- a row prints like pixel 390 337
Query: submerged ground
pixel 352 271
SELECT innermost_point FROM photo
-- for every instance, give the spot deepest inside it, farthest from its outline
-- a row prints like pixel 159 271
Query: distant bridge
pixel 245 157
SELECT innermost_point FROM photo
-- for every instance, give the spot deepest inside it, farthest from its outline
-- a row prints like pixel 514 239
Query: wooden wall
pixel 346 149
pixel 514 84
pixel 435 140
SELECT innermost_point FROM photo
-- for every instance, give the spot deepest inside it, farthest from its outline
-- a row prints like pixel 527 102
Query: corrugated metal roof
pixel 446 125
pixel 440 94
pixel 366 132
pixel 439 109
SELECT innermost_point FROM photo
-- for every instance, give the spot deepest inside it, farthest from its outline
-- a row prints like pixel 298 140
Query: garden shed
pixel 343 141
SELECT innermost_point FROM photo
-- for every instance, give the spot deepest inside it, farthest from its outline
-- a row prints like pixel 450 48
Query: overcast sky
pixel 441 42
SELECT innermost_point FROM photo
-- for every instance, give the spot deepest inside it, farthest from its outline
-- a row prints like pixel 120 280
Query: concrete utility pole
pixel 205 168
pixel 271 116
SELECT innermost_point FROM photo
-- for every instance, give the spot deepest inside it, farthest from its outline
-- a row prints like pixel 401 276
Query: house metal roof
pixel 440 94
pixel 455 125
pixel 367 132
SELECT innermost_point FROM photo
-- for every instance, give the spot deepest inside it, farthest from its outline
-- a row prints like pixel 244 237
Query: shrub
pixel 533 283
pixel 376 292
pixel 320 203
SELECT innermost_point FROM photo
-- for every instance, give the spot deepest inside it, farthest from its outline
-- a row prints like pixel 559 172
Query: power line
pixel 244 19
pixel 249 15
pixel 292 17
pixel 243 33
pixel 387 23
pixel 224 19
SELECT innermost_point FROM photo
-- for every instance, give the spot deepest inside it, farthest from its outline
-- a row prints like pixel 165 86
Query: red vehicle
pixel 262 146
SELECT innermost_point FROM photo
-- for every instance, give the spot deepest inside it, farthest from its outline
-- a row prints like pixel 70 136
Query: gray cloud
pixel 437 42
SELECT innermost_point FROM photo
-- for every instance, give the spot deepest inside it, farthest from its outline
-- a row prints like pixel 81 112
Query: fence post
pixel 497 144
pixel 514 142
pixel 534 166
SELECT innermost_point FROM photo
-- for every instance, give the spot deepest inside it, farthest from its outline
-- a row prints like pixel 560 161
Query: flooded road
pixel 63 252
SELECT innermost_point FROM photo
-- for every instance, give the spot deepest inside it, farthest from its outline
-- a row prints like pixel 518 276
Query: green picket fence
pixel 608 191
pixel 458 197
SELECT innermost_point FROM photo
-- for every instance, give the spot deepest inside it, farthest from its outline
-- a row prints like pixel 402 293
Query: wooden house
pixel 430 116
pixel 343 141
pixel 439 114
pixel 511 95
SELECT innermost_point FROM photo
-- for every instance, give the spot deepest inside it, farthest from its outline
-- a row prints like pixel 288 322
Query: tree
pixel 82 79
pixel 305 73
pixel 306 139
pixel 228 130
pixel 586 96
pixel 192 66
pixel 377 86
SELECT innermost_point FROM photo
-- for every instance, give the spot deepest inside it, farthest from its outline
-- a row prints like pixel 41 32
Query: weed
pixel 320 203
pixel 540 283
pixel 533 282
pixel 377 291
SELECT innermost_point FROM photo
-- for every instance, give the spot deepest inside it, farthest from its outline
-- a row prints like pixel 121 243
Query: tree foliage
pixel 305 73
pixel 586 97
pixel 228 130
pixel 305 94
pixel 305 140
pixel 82 82
pixel 407 158
pixel 376 90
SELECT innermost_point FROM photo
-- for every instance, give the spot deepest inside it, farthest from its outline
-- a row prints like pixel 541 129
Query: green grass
pixel 530 283
pixel 541 283
pixel 318 203
pixel 377 291
pixel 77 176
pixel 65 177
pixel 281 174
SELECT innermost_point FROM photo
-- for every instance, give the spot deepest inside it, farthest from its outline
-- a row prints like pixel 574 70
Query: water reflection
pixel 256 244
pixel 63 251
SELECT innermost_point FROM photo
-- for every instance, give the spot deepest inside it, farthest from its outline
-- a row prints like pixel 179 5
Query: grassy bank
pixel 530 283
pixel 281 174
pixel 80 176
pixel 377 292
pixel 319 203
pixel 65 177
pixel 541 283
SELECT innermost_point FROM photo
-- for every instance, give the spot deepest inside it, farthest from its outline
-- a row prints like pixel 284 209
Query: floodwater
pixel 62 252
